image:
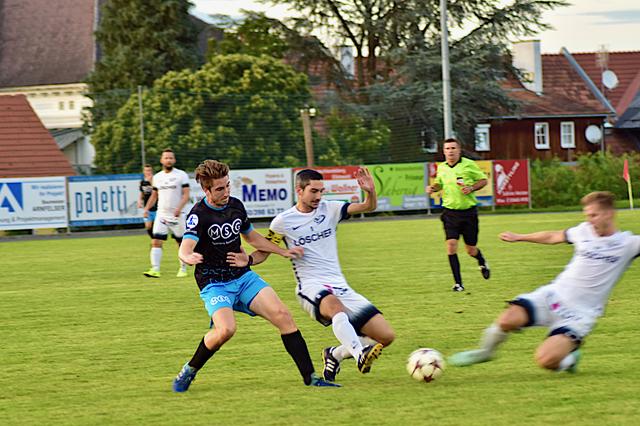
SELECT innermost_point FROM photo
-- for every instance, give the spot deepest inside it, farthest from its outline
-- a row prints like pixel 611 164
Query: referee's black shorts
pixel 461 222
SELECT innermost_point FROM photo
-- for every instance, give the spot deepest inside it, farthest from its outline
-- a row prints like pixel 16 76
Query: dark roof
pixel 46 42
pixel 626 65
pixel 564 93
pixel 27 149
pixel 631 117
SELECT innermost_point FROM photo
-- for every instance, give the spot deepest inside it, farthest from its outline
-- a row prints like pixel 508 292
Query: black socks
pixel 455 268
pixel 297 349
pixel 201 356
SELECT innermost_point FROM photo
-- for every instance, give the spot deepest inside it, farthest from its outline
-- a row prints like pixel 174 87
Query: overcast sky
pixel 582 27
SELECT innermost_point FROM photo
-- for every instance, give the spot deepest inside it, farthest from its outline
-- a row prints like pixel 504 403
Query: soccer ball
pixel 425 364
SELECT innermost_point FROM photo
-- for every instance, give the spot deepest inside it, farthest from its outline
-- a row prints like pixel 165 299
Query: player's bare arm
pixel 543 237
pixel 260 243
pixel 365 181
pixel 150 202
pixel 475 187
pixel 183 201
pixel 186 253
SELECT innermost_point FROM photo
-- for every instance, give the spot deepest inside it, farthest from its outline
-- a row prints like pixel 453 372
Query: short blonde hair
pixel 603 199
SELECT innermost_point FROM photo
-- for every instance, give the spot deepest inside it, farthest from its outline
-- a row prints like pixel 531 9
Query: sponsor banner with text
pixel 400 186
pixel 104 200
pixel 265 193
pixel 30 203
pixel 511 181
pixel 340 183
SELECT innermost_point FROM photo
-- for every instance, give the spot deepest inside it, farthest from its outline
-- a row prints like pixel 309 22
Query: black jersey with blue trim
pixel 217 232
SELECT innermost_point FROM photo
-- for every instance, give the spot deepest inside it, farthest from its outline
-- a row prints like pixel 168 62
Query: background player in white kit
pixel 322 289
pixel 571 304
pixel 171 191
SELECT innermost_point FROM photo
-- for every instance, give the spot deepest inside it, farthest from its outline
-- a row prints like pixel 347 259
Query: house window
pixel 567 134
pixel 482 137
pixel 428 141
pixel 541 134
pixel 72 104
pixel 61 105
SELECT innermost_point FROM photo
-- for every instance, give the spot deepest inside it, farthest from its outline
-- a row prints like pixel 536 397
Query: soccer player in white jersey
pixel 570 305
pixel 171 191
pixel 322 289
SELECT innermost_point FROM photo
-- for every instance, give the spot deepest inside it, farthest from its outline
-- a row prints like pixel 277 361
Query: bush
pixel 554 183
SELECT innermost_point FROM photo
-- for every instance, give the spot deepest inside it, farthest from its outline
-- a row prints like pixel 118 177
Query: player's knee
pixel 471 250
pixel 225 332
pixel 387 338
pixel 546 359
pixel 282 318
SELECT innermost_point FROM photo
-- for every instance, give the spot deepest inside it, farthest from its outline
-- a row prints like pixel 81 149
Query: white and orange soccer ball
pixel 425 364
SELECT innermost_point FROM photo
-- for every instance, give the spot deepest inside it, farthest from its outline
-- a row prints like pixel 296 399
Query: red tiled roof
pixel 626 65
pixel 564 93
pixel 27 149
pixel 46 42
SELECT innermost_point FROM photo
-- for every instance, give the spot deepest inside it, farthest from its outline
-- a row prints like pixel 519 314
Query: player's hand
pixel 509 237
pixel 294 253
pixel 145 213
pixel 238 260
pixel 466 190
pixel 430 189
pixel 192 259
pixel 177 213
pixel 140 205
pixel 365 180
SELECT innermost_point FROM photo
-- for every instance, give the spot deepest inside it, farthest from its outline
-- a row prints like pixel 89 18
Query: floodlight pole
pixel 446 80
pixel 140 112
pixel 308 138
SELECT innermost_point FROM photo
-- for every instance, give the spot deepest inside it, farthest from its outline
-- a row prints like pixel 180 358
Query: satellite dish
pixel 593 133
pixel 609 79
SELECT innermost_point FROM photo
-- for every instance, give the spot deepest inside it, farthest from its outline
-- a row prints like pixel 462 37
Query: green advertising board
pixel 400 186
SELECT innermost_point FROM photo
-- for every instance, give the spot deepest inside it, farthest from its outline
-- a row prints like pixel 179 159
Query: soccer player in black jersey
pixel 213 230
pixel 146 188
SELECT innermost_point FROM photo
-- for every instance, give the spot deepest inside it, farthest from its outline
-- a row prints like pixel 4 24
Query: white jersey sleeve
pixel 573 234
pixel 276 230
pixel 338 210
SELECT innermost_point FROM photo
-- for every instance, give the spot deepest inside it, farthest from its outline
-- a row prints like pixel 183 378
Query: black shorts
pixel 461 222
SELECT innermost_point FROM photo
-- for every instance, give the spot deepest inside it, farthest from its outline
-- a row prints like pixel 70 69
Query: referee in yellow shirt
pixel 459 178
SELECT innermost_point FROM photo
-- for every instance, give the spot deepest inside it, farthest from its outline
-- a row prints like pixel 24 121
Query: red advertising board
pixel 511 182
pixel 339 181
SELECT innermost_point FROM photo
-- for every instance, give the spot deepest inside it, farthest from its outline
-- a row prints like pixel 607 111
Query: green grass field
pixel 86 339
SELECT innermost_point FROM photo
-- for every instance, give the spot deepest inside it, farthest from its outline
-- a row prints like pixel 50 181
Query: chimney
pixel 526 57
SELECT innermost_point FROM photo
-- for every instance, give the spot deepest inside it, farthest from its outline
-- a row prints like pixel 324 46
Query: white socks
pixel 156 257
pixel 346 334
pixel 492 337
pixel 567 362
pixel 342 352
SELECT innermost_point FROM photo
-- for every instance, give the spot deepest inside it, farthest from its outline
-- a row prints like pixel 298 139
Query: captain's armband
pixel 274 237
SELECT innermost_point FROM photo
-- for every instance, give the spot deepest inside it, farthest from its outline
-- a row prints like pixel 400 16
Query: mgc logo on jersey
pixel 225 231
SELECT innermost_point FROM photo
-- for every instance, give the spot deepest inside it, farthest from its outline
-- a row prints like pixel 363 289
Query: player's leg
pixel 558 352
pixel 148 223
pixel 160 231
pixel 224 327
pixel 177 231
pixel 330 307
pixel 470 235
pixel 516 316
pixel 378 329
pixel 268 305
pixel 451 224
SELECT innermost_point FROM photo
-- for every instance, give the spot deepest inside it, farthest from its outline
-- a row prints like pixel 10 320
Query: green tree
pixel 139 40
pixel 240 109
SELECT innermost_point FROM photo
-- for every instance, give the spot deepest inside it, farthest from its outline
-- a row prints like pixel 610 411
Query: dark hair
pixel 147 166
pixel 603 199
pixel 166 150
pixel 210 170
pixel 452 140
pixel 305 176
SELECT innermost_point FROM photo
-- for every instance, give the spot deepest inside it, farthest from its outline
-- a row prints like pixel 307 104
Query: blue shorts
pixel 151 217
pixel 236 294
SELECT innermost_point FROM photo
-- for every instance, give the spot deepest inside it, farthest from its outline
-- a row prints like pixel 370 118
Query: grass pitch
pixel 86 339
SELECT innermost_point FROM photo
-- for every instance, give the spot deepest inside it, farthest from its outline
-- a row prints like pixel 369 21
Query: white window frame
pixel 482 130
pixel 567 134
pixel 541 135
pixel 431 145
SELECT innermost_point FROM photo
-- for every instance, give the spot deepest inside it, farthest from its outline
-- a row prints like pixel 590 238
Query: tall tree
pixel 376 27
pixel 139 41
pixel 240 109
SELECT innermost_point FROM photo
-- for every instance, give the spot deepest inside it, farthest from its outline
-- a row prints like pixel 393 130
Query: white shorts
pixel 165 223
pixel 359 309
pixel 545 309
